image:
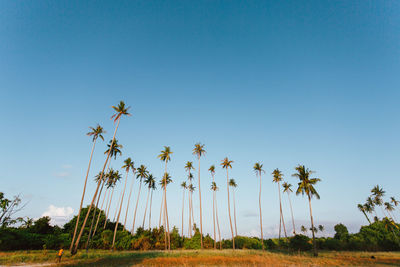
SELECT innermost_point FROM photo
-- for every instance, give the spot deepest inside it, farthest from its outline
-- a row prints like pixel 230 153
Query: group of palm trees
pixel 108 177
pixel 376 200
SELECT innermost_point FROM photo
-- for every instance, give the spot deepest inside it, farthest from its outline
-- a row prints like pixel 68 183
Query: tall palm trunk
pixel 119 212
pixel 165 208
pixel 137 201
pixel 281 213
pixel 75 248
pixel 151 200
pixel 216 215
pixel 365 214
pixel 312 227
pixel 116 208
pixel 183 207
pixel 101 209
pixel 234 210
pixel 190 215
pixel 193 223
pixel 291 211
pixel 129 200
pixel 201 219
pixel 215 236
pixel 109 207
pixel 83 195
pixel 259 204
pixel 161 210
pixel 145 211
pixel 229 208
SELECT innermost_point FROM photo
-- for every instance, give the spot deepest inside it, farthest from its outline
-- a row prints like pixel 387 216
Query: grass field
pixel 201 258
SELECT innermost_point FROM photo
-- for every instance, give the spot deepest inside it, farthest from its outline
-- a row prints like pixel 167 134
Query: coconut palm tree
pixel 288 190
pixel 191 189
pixel 128 165
pixel 114 178
pixel 212 171
pixel 130 193
pixel 306 186
pixel 189 167
pixel 152 185
pixel 226 164
pixel 142 174
pixel 148 181
pixel 198 150
pixel 368 208
pixel 94 133
pixel 233 184
pixel 277 178
pixel 389 208
pixel 371 204
pixel 121 109
pixel 321 228
pixel 184 186
pixel 164 183
pixel 394 201
pixel 362 209
pixel 166 156
pixel 258 168
pixel 214 188
pixel 105 181
pixel 303 229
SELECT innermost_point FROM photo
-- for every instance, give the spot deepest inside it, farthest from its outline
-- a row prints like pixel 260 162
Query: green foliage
pixel 341 232
pixel 300 242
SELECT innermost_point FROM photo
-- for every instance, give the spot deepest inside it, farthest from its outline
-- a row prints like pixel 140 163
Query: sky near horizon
pixel 279 82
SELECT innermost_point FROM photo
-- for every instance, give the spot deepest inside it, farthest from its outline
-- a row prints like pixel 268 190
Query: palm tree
pixel 129 198
pixel 164 183
pixel 184 186
pixel 321 228
pixel 214 188
pixel 121 109
pixel 362 209
pixel 152 185
pixel 389 208
pixel 114 177
pixel 368 208
pixel 142 174
pixel 371 204
pixel 394 201
pixel 303 229
pixel 198 150
pixel 233 184
pixel 105 179
pixel 212 171
pixel 258 168
pixel 148 181
pixel 226 164
pixel 378 194
pixel 287 189
pixel 166 156
pixel 128 164
pixel 306 186
pixel 189 167
pixel 191 188
pixel 95 133
pixel 277 174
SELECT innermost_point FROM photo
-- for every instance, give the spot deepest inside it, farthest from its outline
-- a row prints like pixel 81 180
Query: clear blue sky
pixel 281 82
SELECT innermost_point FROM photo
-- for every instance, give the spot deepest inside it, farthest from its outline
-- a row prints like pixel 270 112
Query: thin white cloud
pixel 58 215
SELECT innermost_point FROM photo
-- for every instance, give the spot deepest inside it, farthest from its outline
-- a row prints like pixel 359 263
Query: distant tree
pixel 8 208
pixel 226 164
pixel 199 151
pixel 258 168
pixel 277 178
pixel 362 209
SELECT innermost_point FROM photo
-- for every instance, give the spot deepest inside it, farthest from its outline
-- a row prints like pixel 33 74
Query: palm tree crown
pixel 142 172
pixel 165 154
pixel 120 110
pixel 212 169
pixel 214 186
pixel 128 164
pixel 258 168
pixel 165 180
pixel 287 187
pixel 115 149
pixel 150 181
pixel 113 178
pixel 189 166
pixel 277 174
pixel 184 185
pixel 377 191
pixel 96 132
pixel 226 163
pixel 198 150
pixel 232 183
pixel 306 184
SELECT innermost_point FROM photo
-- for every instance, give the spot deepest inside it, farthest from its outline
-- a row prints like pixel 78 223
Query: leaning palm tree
pixel 153 187
pixel 306 186
pixel 166 156
pixel 105 182
pixel 277 174
pixel 199 151
pixel 371 204
pixel 226 164
pixel 115 177
pixel 288 190
pixel 121 109
pixel 184 186
pixel 95 133
pixel 212 171
pixel 128 165
pixel 258 168
pixel 129 198
pixel 164 183
pixel 142 174
pixel 233 184
pixel 362 209
pixel 389 208
pixel 214 188
pixel 189 167
pixel 148 181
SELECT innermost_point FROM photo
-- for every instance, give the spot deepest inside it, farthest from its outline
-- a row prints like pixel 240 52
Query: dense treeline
pixel 380 235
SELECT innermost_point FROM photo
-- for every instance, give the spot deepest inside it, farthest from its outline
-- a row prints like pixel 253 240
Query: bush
pixel 300 242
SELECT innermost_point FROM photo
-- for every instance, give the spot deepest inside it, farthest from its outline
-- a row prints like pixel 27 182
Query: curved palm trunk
pixel 129 200
pixel 229 208
pixel 83 196
pixel 151 200
pixel 280 209
pixel 109 207
pixel 312 227
pixel 259 204
pixel 145 211
pixel 291 211
pixel 216 215
pixel 75 248
pixel 137 201
pixel 183 207
pixel 119 212
pixel 365 214
pixel 98 216
pixel 234 210
pixel 116 208
pixel 201 219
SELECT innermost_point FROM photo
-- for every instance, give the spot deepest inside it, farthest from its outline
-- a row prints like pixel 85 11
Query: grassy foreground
pixel 201 258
